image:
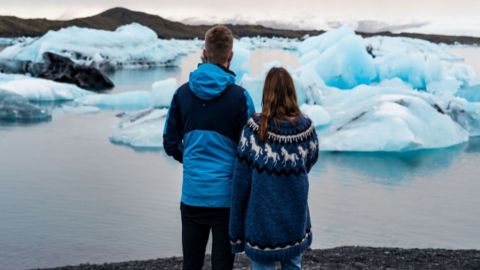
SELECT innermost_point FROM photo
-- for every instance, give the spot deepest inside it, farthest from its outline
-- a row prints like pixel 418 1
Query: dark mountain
pixel 115 17
pixel 111 19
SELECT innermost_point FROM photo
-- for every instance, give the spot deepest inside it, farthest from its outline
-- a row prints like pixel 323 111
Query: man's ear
pixel 229 60
pixel 205 55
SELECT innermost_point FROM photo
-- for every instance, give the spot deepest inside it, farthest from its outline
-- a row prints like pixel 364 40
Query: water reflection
pixel 392 168
pixel 473 145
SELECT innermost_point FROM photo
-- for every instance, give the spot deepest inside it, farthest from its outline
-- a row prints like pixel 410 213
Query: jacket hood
pixel 208 81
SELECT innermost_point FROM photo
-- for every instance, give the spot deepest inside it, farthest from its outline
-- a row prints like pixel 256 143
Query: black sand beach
pixel 365 258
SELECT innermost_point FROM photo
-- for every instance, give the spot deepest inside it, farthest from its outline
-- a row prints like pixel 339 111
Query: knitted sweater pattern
pixel 269 218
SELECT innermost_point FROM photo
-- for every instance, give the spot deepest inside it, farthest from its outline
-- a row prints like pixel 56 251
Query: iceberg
pixel 345 60
pixel 339 58
pixel 391 119
pixel 15 108
pixel 35 89
pixel 129 46
pixel 141 130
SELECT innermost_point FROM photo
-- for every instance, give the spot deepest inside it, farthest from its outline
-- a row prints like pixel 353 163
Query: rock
pixel 15 108
pixel 60 69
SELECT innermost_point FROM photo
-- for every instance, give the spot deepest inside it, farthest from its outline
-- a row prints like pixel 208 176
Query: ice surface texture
pixel 35 89
pixel 141 130
pixel 15 108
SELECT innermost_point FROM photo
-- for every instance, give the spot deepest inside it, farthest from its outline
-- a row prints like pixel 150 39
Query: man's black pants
pixel 197 222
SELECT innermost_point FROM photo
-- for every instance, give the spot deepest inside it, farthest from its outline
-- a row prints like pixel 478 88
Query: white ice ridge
pixel 160 96
pixel 35 89
pixel 141 129
pixel 131 45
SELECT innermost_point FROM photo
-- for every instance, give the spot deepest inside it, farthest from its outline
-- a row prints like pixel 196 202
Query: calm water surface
pixel 68 196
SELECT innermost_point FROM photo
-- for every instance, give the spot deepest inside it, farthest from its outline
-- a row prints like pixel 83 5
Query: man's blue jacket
pixel 202 130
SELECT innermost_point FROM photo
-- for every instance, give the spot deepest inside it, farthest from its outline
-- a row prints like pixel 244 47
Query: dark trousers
pixel 197 222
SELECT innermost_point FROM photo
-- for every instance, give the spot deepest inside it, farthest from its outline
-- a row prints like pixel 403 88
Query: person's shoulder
pixel 184 87
pixel 304 120
pixel 235 88
pixel 183 90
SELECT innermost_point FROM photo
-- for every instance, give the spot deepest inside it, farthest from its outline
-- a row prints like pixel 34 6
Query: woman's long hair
pixel 279 100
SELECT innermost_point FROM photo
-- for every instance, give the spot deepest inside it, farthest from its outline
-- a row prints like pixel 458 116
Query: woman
pixel 269 218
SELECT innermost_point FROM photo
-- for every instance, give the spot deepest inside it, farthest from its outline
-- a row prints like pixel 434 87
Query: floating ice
pixel 131 100
pixel 344 60
pixel 466 114
pixel 240 61
pixel 130 45
pixel 472 94
pixel 80 110
pixel 252 43
pixel 379 118
pixel 15 108
pixel 4 42
pixel 160 96
pixel 163 91
pixel 324 41
pixel 343 63
pixel 35 89
pixel 141 130
pixel 318 115
pixel 254 85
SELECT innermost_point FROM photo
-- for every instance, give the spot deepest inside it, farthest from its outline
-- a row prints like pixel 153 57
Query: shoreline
pixel 348 257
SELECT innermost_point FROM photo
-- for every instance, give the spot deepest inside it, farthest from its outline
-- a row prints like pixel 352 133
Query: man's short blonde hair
pixel 219 44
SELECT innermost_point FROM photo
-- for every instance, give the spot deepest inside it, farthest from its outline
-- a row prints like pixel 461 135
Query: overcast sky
pixel 310 11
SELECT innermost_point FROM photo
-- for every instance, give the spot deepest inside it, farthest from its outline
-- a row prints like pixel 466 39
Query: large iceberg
pixel 35 89
pixel 15 108
pixel 387 118
pixel 345 60
pixel 132 45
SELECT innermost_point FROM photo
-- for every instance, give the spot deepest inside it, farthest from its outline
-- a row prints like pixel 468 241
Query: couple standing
pixel 244 174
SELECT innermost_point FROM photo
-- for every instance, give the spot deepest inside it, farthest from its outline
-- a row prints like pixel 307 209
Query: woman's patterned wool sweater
pixel 269 218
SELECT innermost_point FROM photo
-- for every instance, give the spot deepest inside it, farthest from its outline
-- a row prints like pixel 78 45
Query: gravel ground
pixel 366 258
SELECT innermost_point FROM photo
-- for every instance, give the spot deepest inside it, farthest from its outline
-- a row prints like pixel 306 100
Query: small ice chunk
pixel 444 87
pixel 132 100
pixel 15 108
pixel 318 115
pixel 163 91
pixel 80 110
pixel 141 130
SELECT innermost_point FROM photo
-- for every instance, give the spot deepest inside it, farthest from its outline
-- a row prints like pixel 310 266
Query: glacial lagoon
pixel 69 196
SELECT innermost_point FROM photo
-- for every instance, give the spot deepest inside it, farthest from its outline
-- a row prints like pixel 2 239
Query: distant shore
pixel 11 26
pixel 367 258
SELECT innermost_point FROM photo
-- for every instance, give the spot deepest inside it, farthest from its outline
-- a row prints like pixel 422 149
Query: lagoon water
pixel 69 196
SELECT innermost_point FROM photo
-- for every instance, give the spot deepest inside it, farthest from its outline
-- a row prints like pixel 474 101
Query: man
pixel 202 130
